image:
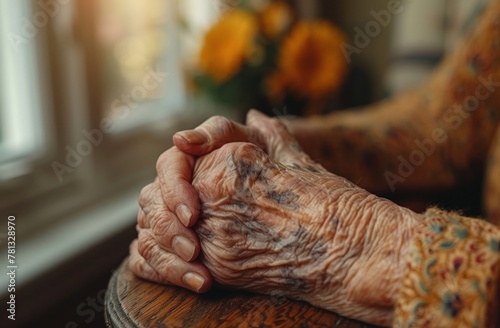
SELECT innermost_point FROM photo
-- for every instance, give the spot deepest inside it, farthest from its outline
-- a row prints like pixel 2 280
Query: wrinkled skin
pixel 274 229
pixel 279 224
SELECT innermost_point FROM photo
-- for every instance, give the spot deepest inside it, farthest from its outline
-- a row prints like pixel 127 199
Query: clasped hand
pixel 244 207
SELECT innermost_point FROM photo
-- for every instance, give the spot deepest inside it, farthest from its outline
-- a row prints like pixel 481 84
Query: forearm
pixel 384 147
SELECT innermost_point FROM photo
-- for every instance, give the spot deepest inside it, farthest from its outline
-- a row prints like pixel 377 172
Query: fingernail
pixel 193 280
pixel 183 247
pixel 193 137
pixel 184 214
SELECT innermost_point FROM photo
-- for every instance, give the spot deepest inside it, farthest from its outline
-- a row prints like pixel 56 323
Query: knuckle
pixel 142 221
pixel 164 266
pixel 246 150
pixel 278 124
pixel 137 265
pixel 146 245
pixel 142 269
pixel 145 195
pixel 219 120
pixel 160 224
pixel 221 125
pixel 169 194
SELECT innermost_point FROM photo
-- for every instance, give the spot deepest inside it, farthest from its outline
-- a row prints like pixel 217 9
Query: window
pixel 24 135
pixel 91 92
pixel 140 61
pixel 83 83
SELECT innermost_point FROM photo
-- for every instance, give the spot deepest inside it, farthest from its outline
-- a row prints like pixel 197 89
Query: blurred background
pixel 91 92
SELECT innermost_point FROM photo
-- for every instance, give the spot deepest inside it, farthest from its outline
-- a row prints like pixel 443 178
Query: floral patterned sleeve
pixel 453 274
pixel 432 138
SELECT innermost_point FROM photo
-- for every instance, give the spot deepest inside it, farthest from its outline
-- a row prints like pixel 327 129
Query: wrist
pixel 398 224
pixel 367 256
pixel 382 266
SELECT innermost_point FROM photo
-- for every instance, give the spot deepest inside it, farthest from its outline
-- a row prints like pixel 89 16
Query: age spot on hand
pixel 286 198
pixel 246 170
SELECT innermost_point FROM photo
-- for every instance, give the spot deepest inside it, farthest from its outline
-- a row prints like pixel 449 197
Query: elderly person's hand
pixel 282 225
pixel 170 206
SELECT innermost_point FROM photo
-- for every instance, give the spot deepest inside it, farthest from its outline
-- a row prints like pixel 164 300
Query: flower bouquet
pixel 265 57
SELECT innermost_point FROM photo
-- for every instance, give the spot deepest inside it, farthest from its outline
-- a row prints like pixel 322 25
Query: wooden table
pixel 133 302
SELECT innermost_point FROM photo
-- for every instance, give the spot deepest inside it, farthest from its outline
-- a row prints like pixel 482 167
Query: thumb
pixel 281 145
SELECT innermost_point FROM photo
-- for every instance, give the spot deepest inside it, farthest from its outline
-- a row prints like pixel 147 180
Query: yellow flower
pixel 276 18
pixel 227 45
pixel 311 60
